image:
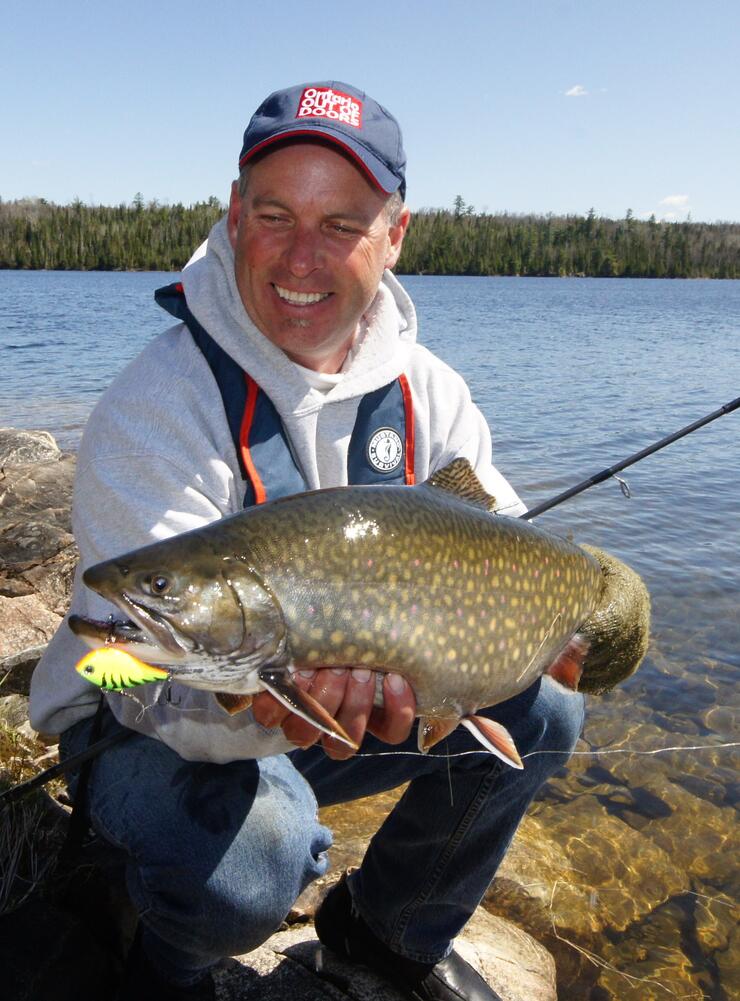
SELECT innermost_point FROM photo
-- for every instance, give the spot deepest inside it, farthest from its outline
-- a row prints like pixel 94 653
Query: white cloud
pixel 677 201
pixel 577 91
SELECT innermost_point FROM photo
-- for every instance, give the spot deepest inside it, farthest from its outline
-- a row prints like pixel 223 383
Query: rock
pixel 286 966
pixel 37 551
pixel 52 580
pixel 13 710
pixel 21 447
pixel 27 626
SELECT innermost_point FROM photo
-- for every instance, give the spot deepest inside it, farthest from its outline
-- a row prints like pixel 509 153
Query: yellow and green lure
pixel 115 670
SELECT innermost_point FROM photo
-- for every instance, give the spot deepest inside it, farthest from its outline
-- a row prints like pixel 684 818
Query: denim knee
pixel 555 723
pixel 230 912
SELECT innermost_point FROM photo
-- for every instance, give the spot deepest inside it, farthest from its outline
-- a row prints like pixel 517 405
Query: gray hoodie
pixel 157 458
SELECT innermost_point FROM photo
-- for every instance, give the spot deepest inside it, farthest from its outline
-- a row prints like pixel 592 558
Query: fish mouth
pixel 156 627
pixel 123 635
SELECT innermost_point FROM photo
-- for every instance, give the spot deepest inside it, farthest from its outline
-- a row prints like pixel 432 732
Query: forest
pixel 37 234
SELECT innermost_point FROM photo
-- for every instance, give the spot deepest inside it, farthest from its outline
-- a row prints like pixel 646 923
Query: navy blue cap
pixel 339 113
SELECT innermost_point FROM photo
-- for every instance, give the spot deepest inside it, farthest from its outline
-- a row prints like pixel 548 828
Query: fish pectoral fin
pixel 495 738
pixel 232 703
pixel 432 729
pixel 567 667
pixel 278 682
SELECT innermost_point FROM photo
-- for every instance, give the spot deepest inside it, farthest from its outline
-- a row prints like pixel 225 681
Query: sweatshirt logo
pixel 385 450
pixel 323 102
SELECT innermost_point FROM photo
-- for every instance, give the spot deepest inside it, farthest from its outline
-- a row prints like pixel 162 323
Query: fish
pixel 469 606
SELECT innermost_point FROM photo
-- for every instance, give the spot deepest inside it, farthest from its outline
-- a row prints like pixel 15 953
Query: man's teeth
pixel 300 298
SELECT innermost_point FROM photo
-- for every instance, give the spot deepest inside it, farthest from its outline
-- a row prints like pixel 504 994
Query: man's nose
pixel 304 252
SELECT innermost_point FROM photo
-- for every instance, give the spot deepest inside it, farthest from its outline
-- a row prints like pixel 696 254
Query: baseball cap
pixel 339 113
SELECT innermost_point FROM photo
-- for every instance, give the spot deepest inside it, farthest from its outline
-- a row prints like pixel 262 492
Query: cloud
pixel 577 91
pixel 677 201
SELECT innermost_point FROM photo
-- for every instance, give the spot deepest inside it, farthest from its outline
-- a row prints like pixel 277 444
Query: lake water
pixel 572 375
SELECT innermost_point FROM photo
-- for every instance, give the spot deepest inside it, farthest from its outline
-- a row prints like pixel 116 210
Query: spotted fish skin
pixel 468 606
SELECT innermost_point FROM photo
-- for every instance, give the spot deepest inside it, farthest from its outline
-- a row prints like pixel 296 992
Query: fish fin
pixel 495 738
pixel 278 682
pixel 233 703
pixel 432 729
pixel 458 478
pixel 567 667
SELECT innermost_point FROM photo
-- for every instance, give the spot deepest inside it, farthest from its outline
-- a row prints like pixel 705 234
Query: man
pixel 296 367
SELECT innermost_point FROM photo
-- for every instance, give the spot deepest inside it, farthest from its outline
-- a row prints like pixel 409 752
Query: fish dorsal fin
pixel 458 478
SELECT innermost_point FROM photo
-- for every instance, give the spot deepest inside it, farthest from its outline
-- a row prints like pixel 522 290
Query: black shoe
pixel 142 982
pixel 340 928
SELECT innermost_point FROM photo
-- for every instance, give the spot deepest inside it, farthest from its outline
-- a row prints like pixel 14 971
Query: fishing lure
pixel 114 669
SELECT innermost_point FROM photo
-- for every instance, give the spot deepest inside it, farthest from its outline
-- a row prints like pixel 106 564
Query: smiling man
pixel 293 365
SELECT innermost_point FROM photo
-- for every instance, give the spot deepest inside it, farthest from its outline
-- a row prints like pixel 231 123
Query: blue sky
pixel 523 105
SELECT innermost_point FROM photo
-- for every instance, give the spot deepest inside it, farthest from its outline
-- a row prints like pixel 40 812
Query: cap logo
pixel 323 102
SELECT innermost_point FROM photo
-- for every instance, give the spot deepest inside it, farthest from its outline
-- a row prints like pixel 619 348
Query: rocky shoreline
pixel 67 938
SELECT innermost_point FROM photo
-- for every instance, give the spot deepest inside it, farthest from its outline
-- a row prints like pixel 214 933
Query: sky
pixel 518 106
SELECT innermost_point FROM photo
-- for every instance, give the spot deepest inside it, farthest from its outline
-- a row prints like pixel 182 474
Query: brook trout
pixel 471 608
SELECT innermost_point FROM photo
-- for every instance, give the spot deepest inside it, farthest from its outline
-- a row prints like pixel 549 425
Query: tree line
pixel 38 234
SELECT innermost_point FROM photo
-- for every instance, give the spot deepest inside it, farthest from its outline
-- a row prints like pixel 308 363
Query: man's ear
pixel 396 234
pixel 235 211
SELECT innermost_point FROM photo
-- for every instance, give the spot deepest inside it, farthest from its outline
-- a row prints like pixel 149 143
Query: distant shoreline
pixel 36 235
pixel 397 273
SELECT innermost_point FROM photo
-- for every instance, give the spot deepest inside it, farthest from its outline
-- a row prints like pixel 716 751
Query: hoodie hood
pixel 389 332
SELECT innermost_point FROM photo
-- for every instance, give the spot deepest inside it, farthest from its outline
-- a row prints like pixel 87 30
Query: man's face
pixel 311 239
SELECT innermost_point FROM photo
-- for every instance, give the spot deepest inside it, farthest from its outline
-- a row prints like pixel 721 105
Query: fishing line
pixel 595 753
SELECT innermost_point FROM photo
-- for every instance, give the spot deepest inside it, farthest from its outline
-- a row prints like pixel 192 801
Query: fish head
pixel 192 604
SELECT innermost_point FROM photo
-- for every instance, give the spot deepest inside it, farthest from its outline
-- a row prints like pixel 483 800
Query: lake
pixel 572 375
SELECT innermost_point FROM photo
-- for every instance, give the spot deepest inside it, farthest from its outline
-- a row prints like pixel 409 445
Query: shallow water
pixel 630 857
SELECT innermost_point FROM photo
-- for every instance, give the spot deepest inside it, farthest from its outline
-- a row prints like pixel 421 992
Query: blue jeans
pixel 217 854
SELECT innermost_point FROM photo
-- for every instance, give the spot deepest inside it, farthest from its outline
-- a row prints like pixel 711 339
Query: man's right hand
pixel 347 694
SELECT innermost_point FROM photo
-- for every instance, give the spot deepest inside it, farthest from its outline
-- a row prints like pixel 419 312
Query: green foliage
pixel 142 237
pixel 36 234
pixel 459 242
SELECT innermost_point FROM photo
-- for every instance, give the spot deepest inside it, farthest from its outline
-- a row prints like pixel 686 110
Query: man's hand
pixel 348 696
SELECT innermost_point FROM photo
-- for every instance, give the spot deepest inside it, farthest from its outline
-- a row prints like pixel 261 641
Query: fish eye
pixel 159 584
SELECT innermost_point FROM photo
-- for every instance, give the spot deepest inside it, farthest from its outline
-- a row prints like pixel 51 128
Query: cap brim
pixel 373 168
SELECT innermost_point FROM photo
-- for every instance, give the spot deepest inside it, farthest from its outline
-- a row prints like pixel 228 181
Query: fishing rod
pixel 75 760
pixel 70 764
pixel 629 461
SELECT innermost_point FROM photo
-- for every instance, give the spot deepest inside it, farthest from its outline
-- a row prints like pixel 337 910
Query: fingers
pixel 354 712
pixel 268 711
pixel 327 686
pixel 347 695
pixel 392 724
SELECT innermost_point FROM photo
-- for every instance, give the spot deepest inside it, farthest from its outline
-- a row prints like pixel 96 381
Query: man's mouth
pixel 300 298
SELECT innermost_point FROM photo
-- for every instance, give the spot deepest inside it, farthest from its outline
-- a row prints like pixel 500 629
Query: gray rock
pixel 13 710
pixel 26 627
pixel 294 964
pixel 18 447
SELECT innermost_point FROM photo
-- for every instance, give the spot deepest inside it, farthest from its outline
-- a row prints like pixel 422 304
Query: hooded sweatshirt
pixel 157 458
